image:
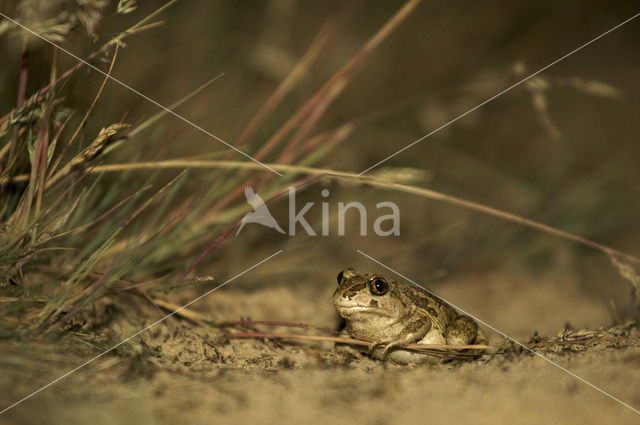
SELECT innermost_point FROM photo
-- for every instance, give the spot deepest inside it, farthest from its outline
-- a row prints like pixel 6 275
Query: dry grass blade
pixel 21 299
pixel 267 322
pixel 80 126
pixel 251 323
pixel 38 165
pixel 190 315
pixel 102 218
pixel 95 99
pixel 351 341
pixel 629 274
pixel 141 26
pixel 289 152
pixel 106 136
pixel 339 76
pixel 299 70
pixel 97 288
pixel 22 88
pixel 154 118
pixel 375 182
pixel 207 251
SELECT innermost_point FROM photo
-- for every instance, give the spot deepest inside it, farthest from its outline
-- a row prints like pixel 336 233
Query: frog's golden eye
pixel 378 286
pixel 340 276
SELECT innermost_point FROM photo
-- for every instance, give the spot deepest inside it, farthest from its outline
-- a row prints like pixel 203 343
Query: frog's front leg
pixel 414 330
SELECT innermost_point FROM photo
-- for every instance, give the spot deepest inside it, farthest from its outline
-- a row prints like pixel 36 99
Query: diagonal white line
pixel 138 333
pixel 501 93
pixel 504 335
pixel 141 95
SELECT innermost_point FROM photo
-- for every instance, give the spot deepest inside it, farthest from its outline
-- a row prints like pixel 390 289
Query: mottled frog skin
pixel 392 314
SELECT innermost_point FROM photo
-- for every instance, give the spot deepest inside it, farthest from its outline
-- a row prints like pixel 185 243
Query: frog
pixel 391 314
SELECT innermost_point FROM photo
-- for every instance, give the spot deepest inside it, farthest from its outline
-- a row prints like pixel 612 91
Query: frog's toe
pixel 375 351
pixel 385 352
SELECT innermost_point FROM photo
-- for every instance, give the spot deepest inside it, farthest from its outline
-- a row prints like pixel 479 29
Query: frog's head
pixel 364 294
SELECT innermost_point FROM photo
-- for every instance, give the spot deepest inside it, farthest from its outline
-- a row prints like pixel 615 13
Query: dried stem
pixel 417 347
pixel 342 74
pixel 371 181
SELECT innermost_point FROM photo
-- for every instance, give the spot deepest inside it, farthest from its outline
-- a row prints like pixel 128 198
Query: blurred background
pixel 560 149
pixel 116 235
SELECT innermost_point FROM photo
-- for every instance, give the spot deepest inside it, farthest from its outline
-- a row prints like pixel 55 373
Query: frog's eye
pixel 340 276
pixel 378 286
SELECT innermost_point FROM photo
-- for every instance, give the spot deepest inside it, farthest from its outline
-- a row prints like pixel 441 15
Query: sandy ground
pixel 187 372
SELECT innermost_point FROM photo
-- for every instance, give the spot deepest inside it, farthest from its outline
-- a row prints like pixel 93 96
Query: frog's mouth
pixel 356 310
